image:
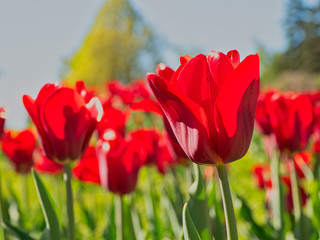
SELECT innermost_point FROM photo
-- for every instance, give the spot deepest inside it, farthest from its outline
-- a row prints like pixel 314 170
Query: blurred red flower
pixel 87 169
pixel 112 118
pixel 119 160
pixel 64 121
pixel 292 120
pixel 210 104
pixel 288 194
pixel 129 93
pixel 301 161
pixel 45 165
pixel 262 115
pixel 19 147
pixel 261 173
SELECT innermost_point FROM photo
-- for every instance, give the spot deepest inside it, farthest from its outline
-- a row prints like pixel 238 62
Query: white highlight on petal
pixel 96 107
pixel 109 135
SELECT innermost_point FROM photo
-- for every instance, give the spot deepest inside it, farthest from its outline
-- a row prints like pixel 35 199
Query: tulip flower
pixel 19 147
pixel 119 162
pixel 128 93
pixel 210 103
pixel 288 194
pixel 87 169
pixel 148 141
pixel 301 161
pixel 262 115
pixel 64 121
pixel 261 172
pixel 292 118
pixel 45 165
pixel 112 118
pixel 2 120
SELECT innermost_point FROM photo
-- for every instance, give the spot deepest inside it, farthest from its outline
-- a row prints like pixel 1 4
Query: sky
pixel 37 36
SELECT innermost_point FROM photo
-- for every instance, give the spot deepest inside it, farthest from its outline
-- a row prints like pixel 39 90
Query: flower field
pixel 199 152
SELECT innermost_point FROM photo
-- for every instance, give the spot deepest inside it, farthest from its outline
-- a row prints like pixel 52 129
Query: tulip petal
pixel 234 58
pixel 33 111
pixel 187 119
pixel 235 110
pixel 220 68
pixel 147 105
pixel 164 71
pixel 195 71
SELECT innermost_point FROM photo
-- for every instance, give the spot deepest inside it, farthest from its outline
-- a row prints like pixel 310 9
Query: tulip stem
pixel 67 178
pixel 297 210
pixel 231 225
pixel 25 191
pixel 277 204
pixel 119 216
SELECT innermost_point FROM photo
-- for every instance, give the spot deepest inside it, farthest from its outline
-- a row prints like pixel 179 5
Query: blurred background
pixel 98 40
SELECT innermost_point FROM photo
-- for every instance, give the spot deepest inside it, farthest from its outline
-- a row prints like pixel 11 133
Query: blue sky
pixel 35 36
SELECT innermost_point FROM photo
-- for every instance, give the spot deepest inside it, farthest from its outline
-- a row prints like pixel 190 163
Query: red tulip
pixel 19 149
pixel 112 118
pixel 148 142
pixel 292 119
pixel 2 120
pixel 128 93
pixel 301 161
pixel 87 169
pixel 64 121
pixel 262 115
pixel 261 174
pixel 45 165
pixel 210 105
pixel 119 162
pixel 288 193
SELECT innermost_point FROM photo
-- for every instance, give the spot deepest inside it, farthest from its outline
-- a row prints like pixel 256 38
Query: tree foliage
pixel 303 33
pixel 302 56
pixel 120 46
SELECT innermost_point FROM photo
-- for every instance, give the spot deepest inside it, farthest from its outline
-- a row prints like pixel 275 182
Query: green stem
pixel 119 215
pixel 67 179
pixel 231 225
pixel 277 200
pixel 2 231
pixel 297 210
pixel 25 191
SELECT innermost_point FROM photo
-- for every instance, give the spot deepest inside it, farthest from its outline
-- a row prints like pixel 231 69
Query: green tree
pixel 120 46
pixel 298 66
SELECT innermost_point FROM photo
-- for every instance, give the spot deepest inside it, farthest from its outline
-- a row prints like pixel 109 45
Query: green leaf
pixel 21 234
pixel 198 204
pixel 50 216
pixel 175 225
pixel 261 232
pixel 136 223
pixel 88 218
pixel 153 212
pixel 315 201
pixel 110 231
pixel 189 229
